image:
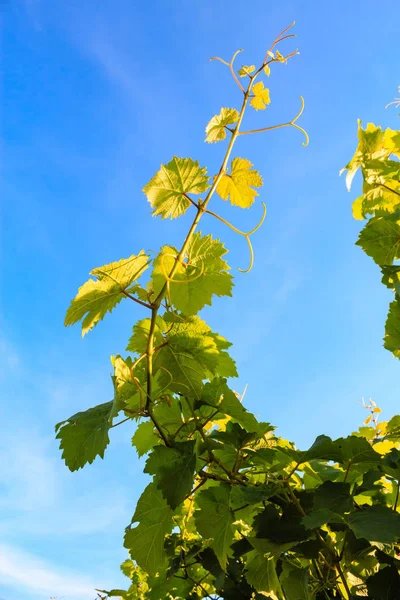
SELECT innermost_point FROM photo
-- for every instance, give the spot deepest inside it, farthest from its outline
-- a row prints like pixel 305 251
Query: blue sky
pixel 95 97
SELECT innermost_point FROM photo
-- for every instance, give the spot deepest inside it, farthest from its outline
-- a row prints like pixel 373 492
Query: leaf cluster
pixel 232 510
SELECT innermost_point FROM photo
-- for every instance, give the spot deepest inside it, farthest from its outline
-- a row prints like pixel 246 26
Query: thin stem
pixel 165 439
pixel 344 581
pixel 347 471
pixel 200 210
pixel 135 299
pixel 279 39
pixel 389 189
pixel 195 489
pixel 190 200
pixel 120 423
pixel 243 233
pixel 291 123
pixel 149 352
pixel 397 497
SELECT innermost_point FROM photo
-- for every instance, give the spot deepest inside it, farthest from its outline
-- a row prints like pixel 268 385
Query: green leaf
pixel 98 296
pixel 373 143
pixel 218 395
pixel 201 274
pixel 393 427
pixel 376 524
pixel 260 97
pixel 246 70
pixel 334 496
pixel 253 494
pixel 215 130
pixel 384 585
pixel 295 583
pixel 380 239
pixel 261 573
pixel 191 354
pixel 166 191
pixel 84 436
pixel 144 438
pixel 351 449
pixel 214 519
pixel 169 416
pixel 392 329
pixel 239 185
pixel 316 518
pixel 141 330
pixel 173 470
pixel 145 542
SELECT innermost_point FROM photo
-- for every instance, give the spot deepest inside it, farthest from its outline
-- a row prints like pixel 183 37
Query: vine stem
pixel 200 211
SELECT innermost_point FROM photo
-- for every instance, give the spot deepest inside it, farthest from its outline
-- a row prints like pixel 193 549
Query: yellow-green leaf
pixel 260 97
pixel 246 70
pixel 98 296
pixel 201 275
pixel 215 130
pixel 166 191
pixel 279 56
pixel 239 185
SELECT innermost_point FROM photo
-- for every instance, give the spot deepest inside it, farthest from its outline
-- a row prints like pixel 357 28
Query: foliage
pixel 377 157
pixel 232 510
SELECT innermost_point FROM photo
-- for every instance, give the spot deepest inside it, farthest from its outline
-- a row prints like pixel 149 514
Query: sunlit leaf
pixel 166 191
pixel 260 98
pixel 246 70
pixel 202 274
pixel 215 130
pixel 239 185
pixel 98 296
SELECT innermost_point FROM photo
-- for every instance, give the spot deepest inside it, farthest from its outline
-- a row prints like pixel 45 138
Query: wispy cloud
pixel 23 571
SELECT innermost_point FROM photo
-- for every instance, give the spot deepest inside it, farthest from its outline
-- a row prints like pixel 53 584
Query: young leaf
pixel 260 97
pixel 145 542
pixel 375 523
pixel 214 519
pixel 98 296
pixel 166 191
pixel 267 70
pixel 173 470
pixel 201 275
pixel 239 185
pixel 246 70
pixel 215 130
pixel 380 239
pixel 84 436
pixel 144 438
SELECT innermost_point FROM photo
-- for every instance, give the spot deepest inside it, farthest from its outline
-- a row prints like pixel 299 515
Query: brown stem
pixel 135 299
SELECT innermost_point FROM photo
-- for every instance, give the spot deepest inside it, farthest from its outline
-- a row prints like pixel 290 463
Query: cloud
pixel 23 571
